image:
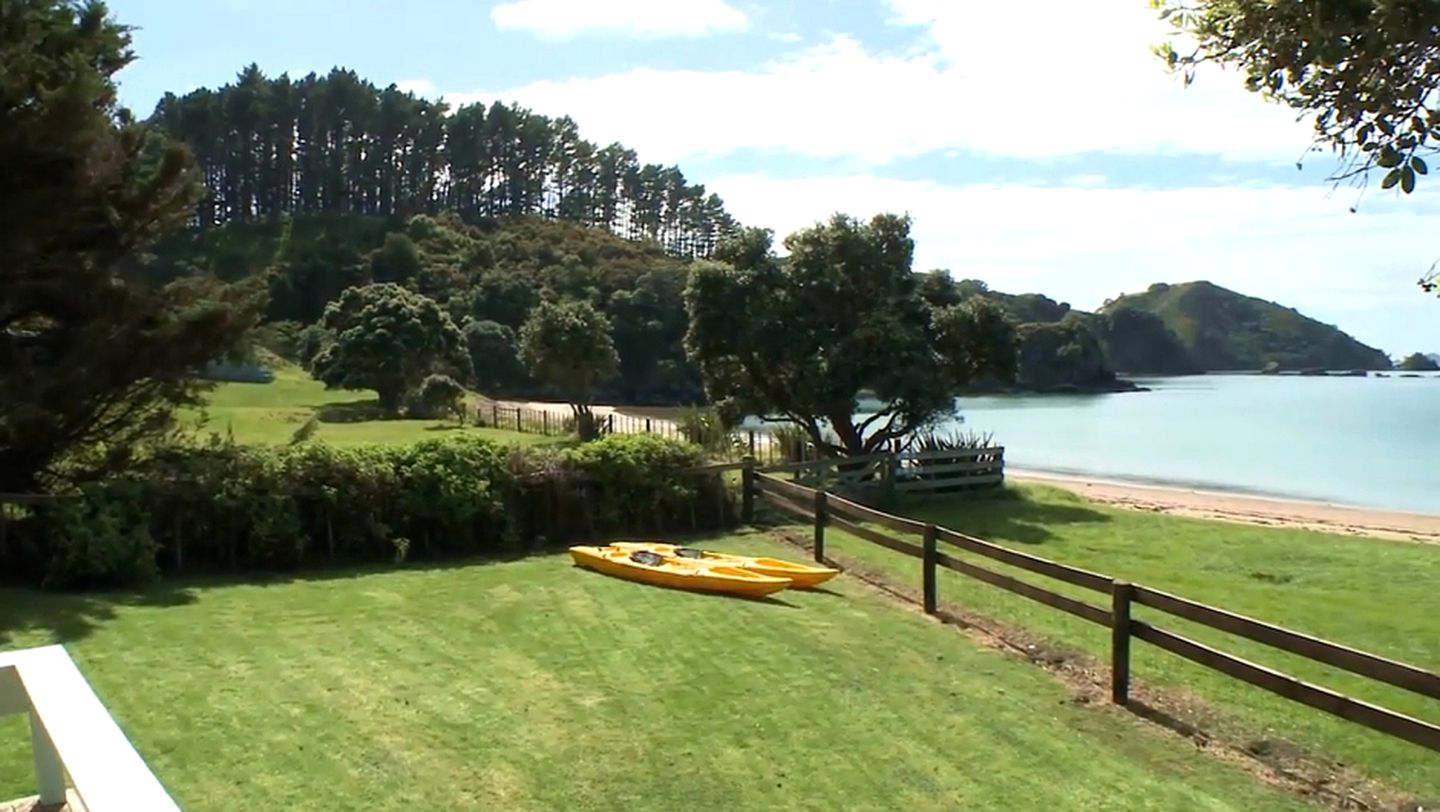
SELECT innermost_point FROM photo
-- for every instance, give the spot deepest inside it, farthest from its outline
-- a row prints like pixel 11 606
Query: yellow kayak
pixel 802 576
pixel 677 573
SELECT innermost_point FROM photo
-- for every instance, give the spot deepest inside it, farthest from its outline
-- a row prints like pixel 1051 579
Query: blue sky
pixel 1037 145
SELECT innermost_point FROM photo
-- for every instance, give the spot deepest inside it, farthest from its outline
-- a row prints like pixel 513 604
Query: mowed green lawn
pixel 1380 596
pixel 537 685
pixel 270 413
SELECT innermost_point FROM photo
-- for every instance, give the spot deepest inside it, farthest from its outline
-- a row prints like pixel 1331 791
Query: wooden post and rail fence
pixel 828 510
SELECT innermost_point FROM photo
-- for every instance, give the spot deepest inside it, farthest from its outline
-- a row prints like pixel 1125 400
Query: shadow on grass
pixel 357 411
pixel 68 616
pixel 64 617
pixel 1009 515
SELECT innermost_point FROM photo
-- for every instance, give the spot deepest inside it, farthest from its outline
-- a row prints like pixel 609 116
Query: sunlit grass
pixel 271 413
pixel 1375 595
pixel 536 685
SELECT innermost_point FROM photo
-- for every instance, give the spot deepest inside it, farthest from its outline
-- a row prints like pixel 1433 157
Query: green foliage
pixel 977 344
pixel 639 477
pixel 227 508
pixel 1139 341
pixel 799 340
pixel 1224 330
pixel 708 428
pixel 337 144
pixel 494 356
pixel 306 431
pixel 793 441
pixel 1060 356
pixel 437 397
pixel 939 289
pixel 398 260
pixel 1367 69
pixel 567 345
pixel 92 365
pixel 492 273
pixel 98 539
pixel 453 491
pixel 387 338
pixel 1418 362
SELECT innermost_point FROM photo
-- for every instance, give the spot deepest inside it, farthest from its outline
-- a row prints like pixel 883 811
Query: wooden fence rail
pixel 828 510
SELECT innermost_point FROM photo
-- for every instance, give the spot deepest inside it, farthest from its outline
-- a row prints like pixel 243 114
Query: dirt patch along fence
pixel 1114 600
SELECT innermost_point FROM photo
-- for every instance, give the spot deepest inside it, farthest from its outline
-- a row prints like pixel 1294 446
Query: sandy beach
pixel 1258 510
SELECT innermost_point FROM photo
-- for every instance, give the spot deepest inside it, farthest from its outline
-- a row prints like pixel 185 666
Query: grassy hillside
pixel 537 685
pixel 271 413
pixel 1225 330
pixel 1372 594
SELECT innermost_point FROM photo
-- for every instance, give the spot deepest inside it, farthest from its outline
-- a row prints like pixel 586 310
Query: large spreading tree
pixel 92 363
pixel 1368 70
pixel 799 339
pixel 567 345
pixel 388 338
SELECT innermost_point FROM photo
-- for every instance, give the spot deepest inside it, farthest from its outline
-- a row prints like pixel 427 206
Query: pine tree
pixel 91 364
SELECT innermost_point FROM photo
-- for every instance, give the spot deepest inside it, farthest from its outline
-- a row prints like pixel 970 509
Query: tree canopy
pixel 389 339
pixel 567 345
pixel 1369 70
pixel 1138 340
pixel 800 339
pixel 1418 362
pixel 336 143
pixel 92 363
pixel 1064 354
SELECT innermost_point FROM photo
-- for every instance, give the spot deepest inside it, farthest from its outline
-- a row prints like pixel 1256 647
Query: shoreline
pixel 1265 511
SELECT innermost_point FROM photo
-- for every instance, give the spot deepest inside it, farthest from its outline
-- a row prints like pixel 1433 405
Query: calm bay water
pixel 1358 441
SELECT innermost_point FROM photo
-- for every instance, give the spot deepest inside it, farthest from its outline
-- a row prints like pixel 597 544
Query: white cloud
pixel 1297 246
pixel 1038 79
pixel 420 87
pixel 562 19
pixel 788 37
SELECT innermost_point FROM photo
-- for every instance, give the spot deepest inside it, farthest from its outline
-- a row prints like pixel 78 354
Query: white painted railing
pixel 73 734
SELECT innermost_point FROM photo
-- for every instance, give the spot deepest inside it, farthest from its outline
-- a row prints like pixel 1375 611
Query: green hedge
pixel 226 508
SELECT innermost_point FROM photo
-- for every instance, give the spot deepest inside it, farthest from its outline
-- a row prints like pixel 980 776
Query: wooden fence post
pixel 494 416
pixel 647 425
pixel 752 442
pixel 747 491
pixel 545 422
pixel 1120 595
pixel 518 410
pixel 931 598
pixel 821 518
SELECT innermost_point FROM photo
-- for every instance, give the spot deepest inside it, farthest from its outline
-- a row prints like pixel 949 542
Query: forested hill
pixel 488 277
pixel 338 144
pixel 1225 330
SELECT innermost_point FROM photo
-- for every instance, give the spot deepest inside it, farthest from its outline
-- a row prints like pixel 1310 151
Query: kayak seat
pixel 647 558
pixel 689 552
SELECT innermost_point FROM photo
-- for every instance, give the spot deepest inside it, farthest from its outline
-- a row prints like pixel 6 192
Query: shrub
pixel 100 539
pixel 707 428
pixel 227 508
pixel 639 478
pixel 451 493
pixel 437 397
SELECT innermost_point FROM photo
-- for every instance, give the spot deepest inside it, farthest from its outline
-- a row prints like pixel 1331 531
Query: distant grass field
pixel 1380 596
pixel 270 413
pixel 537 685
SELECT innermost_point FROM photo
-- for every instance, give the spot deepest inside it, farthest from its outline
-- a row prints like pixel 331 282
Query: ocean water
pixel 1357 441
